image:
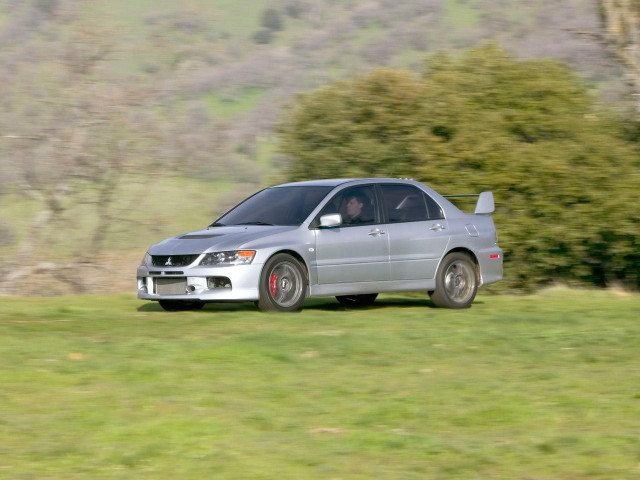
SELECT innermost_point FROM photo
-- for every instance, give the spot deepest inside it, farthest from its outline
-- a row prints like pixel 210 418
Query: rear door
pixel 358 250
pixel 418 232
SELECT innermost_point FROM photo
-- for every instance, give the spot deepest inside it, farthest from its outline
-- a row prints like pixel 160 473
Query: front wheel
pixel 357 300
pixel 456 282
pixel 283 284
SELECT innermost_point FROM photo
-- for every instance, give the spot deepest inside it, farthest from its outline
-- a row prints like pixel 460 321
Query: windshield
pixel 275 206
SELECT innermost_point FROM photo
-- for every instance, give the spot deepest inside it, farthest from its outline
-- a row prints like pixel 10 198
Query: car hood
pixel 216 239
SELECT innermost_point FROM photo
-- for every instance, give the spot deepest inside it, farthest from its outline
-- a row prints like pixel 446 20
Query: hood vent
pixel 199 237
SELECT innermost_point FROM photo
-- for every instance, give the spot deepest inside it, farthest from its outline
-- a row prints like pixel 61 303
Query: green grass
pixel 266 149
pixel 236 18
pixel 226 108
pixel 461 14
pixel 537 387
pixel 233 20
pixel 367 33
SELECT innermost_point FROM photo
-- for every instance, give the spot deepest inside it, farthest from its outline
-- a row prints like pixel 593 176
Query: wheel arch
pixel 295 255
pixel 471 255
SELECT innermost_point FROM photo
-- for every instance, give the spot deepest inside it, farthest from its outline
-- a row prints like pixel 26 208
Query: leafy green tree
pixel 560 168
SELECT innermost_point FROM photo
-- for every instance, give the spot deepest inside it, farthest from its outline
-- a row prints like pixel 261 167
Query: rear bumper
pixel 490 261
pixel 243 283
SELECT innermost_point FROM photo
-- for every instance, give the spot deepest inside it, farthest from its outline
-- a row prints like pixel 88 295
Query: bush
pixel 561 171
pixel 296 8
pixel 263 36
pixel 271 20
pixel 7 238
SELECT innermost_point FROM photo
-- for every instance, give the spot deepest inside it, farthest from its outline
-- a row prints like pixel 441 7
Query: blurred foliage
pixel 560 165
pixel 263 36
pixel 271 19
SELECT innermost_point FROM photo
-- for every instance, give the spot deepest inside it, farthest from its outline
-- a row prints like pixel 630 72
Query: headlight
pixel 146 260
pixel 234 257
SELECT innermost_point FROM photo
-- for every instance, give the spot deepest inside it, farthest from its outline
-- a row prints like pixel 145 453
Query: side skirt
pixel 371 287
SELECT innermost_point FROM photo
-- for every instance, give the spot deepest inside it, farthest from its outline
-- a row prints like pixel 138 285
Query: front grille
pixel 173 260
pixel 171 286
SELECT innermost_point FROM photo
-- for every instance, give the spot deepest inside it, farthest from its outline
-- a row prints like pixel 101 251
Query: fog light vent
pixel 218 282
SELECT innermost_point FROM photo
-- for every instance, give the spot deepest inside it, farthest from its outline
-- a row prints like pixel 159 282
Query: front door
pixel 357 250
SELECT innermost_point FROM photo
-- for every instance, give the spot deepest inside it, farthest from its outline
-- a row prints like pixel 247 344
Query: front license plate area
pixel 171 286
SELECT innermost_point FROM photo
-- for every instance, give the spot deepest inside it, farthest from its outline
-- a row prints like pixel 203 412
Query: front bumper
pixel 243 282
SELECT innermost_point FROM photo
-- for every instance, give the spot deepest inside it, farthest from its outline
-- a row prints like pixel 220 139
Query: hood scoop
pixel 200 237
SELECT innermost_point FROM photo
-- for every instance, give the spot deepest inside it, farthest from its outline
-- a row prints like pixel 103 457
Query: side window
pixel 356 205
pixel 404 203
pixel 435 212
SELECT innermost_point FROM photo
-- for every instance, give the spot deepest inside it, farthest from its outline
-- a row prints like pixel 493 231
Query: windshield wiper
pixel 217 224
pixel 255 223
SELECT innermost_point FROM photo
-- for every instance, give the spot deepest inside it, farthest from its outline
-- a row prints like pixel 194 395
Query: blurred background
pixel 125 122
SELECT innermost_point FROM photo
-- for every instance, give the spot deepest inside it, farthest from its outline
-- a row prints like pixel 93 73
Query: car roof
pixel 334 182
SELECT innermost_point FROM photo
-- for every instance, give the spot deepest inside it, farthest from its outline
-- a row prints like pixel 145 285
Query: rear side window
pixel 435 212
pixel 404 203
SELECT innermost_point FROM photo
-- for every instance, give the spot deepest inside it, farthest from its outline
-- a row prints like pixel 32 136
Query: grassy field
pixel 539 387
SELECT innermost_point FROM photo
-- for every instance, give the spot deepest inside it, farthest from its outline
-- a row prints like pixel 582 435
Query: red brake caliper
pixel 273 283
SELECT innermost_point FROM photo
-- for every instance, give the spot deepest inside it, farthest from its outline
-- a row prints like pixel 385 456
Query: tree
pixel 622 24
pixel 75 149
pixel 561 172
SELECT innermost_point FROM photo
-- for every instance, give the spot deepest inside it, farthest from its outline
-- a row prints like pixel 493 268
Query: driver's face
pixel 354 207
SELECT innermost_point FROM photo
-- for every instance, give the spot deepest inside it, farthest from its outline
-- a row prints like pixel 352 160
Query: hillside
pixel 124 122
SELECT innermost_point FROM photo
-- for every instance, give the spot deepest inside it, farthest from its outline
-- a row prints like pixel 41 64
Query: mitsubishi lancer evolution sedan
pixel 348 238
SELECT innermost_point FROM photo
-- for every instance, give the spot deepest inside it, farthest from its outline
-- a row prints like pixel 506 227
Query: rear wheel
pixel 180 305
pixel 456 282
pixel 283 284
pixel 357 300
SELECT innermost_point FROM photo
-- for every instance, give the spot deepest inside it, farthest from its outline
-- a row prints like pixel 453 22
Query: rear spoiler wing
pixel 485 204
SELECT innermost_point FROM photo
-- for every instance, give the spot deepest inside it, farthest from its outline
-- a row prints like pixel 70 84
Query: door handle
pixel 437 226
pixel 377 231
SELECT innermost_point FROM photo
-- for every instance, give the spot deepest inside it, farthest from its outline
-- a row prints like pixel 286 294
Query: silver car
pixel 348 238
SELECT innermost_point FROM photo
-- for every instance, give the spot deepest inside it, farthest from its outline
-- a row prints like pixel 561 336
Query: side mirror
pixel 330 221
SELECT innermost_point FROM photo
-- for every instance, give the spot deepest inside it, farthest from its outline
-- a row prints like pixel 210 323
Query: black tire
pixel 180 305
pixel 357 300
pixel 283 284
pixel 456 282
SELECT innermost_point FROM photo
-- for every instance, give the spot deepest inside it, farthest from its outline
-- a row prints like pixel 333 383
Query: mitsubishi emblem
pixel 168 264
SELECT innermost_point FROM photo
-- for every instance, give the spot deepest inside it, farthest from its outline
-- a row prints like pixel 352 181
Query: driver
pixel 354 206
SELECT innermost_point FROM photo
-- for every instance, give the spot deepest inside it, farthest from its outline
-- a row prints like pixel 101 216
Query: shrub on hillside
pixel 557 162
pixel 296 8
pixel 272 20
pixel 263 36
pixel 7 237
